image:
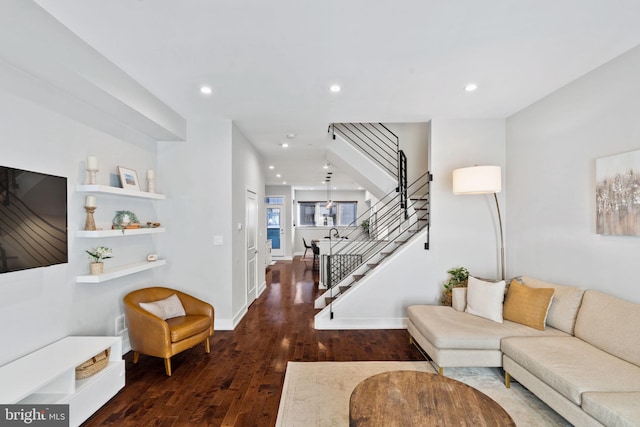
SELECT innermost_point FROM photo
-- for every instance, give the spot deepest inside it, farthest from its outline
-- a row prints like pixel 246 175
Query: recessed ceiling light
pixel 284 145
pixel 206 90
pixel 326 166
pixel 322 182
pixel 471 87
pixel 334 88
pixel 291 135
pixel 284 182
pixel 271 166
pixel 278 175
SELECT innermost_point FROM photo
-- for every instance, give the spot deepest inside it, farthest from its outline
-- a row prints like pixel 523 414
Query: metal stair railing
pixel 392 226
pixel 402 181
pixel 374 140
pixel 381 145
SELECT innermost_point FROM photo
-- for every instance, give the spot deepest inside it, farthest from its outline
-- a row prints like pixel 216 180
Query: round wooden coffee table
pixel 414 398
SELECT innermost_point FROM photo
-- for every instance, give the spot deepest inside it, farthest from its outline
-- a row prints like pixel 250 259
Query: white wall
pixel 414 141
pixel 465 229
pixel 247 174
pixel 551 152
pixel 199 193
pixel 41 305
pixel 464 232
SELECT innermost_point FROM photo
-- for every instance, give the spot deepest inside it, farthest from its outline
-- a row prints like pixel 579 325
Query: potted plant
pixel 458 277
pixel 96 255
pixel 365 227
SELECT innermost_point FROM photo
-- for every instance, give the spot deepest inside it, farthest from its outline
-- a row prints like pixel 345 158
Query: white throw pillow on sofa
pixel 485 299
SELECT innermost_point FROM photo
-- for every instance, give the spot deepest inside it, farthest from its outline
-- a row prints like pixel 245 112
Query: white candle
pixel 90 201
pixel 92 163
pixel 150 174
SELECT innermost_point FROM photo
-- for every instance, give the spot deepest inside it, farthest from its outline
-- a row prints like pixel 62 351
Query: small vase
pixel 96 267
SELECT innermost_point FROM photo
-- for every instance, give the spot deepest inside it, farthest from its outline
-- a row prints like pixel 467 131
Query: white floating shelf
pixel 105 189
pixel 119 233
pixel 122 271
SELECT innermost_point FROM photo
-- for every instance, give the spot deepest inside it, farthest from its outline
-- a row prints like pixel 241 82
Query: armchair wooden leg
pixel 136 357
pixel 507 380
pixel 167 366
pixel 441 371
pixel 207 348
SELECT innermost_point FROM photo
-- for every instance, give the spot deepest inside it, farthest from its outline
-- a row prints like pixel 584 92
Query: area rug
pixel 317 393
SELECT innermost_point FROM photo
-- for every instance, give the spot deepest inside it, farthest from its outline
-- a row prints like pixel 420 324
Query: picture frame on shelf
pixel 128 178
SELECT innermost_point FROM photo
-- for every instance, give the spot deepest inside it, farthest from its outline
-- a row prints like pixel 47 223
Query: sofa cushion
pixel 526 305
pixel 610 324
pixel 485 299
pixel 613 409
pixel 564 306
pixel 571 366
pixel 187 326
pixel 447 328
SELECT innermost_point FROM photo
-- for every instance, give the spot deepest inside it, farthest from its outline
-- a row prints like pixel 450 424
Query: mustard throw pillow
pixel 528 306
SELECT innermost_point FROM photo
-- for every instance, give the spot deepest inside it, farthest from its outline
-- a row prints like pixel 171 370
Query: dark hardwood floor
pixel 240 381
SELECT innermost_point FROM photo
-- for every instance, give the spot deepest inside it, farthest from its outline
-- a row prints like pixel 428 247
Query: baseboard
pixel 324 323
pixel 262 288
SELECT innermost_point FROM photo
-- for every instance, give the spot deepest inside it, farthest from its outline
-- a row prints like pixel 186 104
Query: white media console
pixel 48 376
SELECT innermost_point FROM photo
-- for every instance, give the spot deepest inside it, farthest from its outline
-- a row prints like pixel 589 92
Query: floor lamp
pixel 481 180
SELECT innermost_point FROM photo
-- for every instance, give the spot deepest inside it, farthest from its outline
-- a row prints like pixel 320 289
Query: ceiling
pixel 271 63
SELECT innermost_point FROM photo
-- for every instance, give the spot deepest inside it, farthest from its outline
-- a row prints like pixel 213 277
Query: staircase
pixel 356 254
pixel 400 215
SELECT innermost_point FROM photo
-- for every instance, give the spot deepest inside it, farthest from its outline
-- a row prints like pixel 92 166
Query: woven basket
pixel 447 296
pixel 93 365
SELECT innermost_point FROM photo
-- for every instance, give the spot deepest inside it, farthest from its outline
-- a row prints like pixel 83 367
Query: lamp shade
pixel 477 180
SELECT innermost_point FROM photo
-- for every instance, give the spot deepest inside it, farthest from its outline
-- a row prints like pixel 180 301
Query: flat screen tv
pixel 33 219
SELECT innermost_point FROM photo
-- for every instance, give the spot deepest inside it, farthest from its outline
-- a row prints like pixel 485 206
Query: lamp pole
pixel 495 196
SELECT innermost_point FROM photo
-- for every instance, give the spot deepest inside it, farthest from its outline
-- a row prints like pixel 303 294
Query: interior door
pixel 275 228
pixel 251 236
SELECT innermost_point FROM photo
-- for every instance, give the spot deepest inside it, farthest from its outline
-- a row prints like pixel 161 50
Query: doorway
pixel 275 224
pixel 251 237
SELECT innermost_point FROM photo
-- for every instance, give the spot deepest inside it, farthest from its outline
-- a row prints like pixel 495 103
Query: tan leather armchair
pixel 153 336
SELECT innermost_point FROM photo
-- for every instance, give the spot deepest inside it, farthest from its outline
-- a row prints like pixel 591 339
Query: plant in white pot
pixel 458 277
pixel 97 255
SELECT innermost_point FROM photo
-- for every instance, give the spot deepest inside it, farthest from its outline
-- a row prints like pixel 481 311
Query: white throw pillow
pixel 485 299
pixel 165 308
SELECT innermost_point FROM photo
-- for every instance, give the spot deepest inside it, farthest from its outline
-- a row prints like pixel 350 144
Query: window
pixel 271 200
pixel 318 214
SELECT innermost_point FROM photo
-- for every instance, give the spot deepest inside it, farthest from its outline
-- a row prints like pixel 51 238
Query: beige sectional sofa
pixel 585 364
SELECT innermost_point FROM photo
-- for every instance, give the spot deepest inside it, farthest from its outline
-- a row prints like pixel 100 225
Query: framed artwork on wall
pixel 128 178
pixel 618 194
